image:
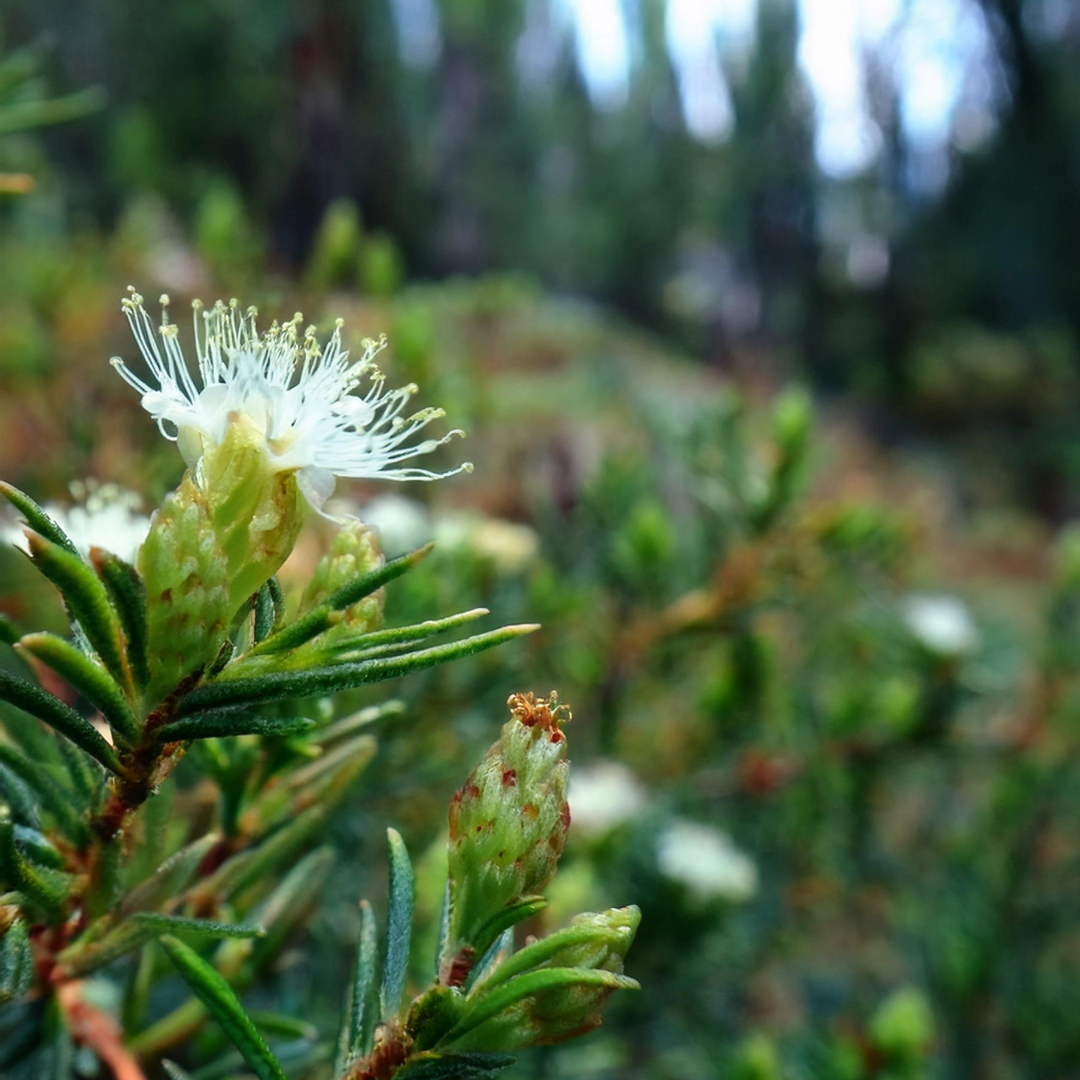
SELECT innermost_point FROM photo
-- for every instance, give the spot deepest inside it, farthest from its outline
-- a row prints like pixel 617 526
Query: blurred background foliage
pixel 839 635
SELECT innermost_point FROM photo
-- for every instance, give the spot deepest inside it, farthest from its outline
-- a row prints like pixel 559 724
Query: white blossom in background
pixel 603 796
pixel 103 515
pixel 509 546
pixel 706 862
pixel 941 624
pixel 402 524
pixel 320 414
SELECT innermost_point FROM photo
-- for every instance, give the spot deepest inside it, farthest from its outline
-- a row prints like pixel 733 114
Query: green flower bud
pixel 187 593
pixel 353 552
pixel 255 509
pixel 508 827
pixel 550 1001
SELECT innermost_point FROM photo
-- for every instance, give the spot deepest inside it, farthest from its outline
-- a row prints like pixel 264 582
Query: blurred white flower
pixel 402 524
pixel 510 547
pixel 942 624
pixel 296 393
pixel 706 861
pixel 103 515
pixel 603 796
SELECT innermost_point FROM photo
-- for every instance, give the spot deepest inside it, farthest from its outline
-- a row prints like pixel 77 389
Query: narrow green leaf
pixel 36 518
pixel 95 949
pixel 398 926
pixel 137 992
pixel 174 1071
pixel 37 702
pixel 16 962
pixel 103 887
pixel 262 615
pixel 44 888
pixel 38 847
pixel 286 906
pixel 225 724
pixel 15 795
pixel 524 908
pixel 171 877
pixel 539 952
pixel 9 632
pixel 51 798
pixel 89 678
pixel 349 725
pixel 218 997
pixel 322 617
pixel 278 598
pixel 464 1065
pixel 86 775
pixel 128 595
pixel 487 1005
pixel 353 1040
pixel 88 602
pixel 284 1027
pixel 177 924
pixel 410 634
pixel 328 680
pixel 245 867
pixel 499 950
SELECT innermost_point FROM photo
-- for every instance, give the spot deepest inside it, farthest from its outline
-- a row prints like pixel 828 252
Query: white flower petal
pixel 303 397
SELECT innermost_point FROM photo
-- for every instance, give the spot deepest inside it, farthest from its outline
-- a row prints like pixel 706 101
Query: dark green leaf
pixel 87 600
pixel 37 702
pixel 286 906
pixel 170 877
pixel 16 962
pixel 222 1004
pixel 128 594
pixel 46 889
pixel 357 1021
pixel 322 617
pixel 38 847
pixel 328 680
pixel 225 724
pixel 95 949
pixel 9 632
pixel 36 518
pixel 398 926
pixel 89 678
pixel 51 798
pixel 460 1066
pixel 16 796
pixel 284 1027
pixel 263 614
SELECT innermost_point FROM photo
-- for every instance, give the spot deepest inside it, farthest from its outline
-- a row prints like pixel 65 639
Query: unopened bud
pixel 187 593
pixel 508 827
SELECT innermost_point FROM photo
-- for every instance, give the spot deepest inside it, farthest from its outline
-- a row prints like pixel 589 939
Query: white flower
pixel 942 624
pixel 298 394
pixel 603 796
pixel 706 861
pixel 402 523
pixel 104 516
pixel 508 546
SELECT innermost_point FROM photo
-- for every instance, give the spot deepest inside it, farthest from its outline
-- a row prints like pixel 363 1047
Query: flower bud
pixel 353 552
pixel 256 510
pixel 561 1004
pixel 187 594
pixel 508 827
